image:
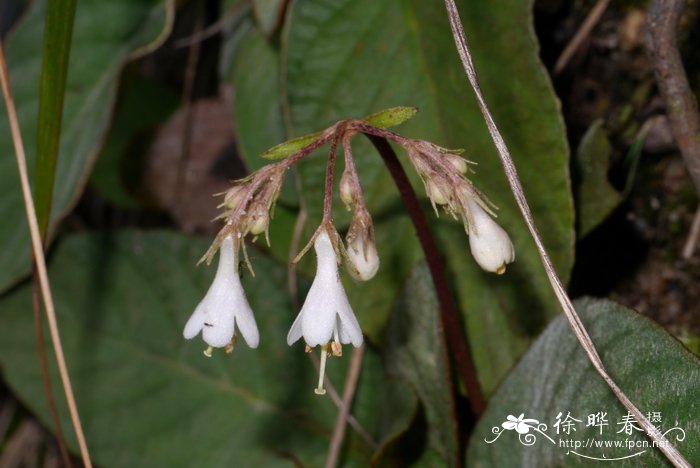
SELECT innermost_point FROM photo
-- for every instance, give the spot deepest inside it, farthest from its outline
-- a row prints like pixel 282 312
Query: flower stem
pixel 451 323
pixel 328 196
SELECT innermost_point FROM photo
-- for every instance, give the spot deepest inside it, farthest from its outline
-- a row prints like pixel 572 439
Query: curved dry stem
pixel 345 405
pixel 40 259
pixel 583 31
pixel 516 187
pixel 662 45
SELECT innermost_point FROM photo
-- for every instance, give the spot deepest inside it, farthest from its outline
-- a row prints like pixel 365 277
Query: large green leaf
pixel 257 108
pixel 415 352
pixel 350 58
pixel 255 75
pixel 105 34
pixel 148 397
pixel 555 376
pixel 142 105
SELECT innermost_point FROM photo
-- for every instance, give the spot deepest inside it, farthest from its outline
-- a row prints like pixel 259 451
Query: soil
pixel 634 256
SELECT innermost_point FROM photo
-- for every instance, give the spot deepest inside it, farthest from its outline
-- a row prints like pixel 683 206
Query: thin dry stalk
pixel 516 187
pixel 663 18
pixel 348 395
pixel 692 241
pixel 40 259
pixel 586 27
pixel 190 114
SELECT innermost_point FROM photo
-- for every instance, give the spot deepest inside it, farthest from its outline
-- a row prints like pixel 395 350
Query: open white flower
pixel 224 307
pixel 490 244
pixel 326 318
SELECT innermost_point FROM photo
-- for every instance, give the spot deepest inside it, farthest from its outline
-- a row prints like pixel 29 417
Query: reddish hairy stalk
pixel 328 191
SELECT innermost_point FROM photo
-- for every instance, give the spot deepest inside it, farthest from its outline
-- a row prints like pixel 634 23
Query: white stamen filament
pixel 207 352
pixel 322 372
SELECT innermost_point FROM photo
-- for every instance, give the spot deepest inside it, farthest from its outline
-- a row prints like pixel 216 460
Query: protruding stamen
pixel 207 352
pixel 322 372
pixel 229 347
pixel 336 349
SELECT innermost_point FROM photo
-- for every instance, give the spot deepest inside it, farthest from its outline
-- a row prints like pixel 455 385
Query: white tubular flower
pixel 326 318
pixel 224 307
pixel 490 244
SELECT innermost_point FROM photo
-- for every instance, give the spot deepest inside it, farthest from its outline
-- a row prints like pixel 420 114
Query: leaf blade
pixel 52 85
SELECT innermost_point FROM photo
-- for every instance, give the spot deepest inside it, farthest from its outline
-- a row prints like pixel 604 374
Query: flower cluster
pixel 326 318
pixel 444 173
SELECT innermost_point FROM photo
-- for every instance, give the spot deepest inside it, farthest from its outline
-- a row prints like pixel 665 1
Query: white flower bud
pixel 457 162
pixel 490 245
pixel 361 252
pixel 347 190
pixel 259 221
pixel 363 261
pixel 435 193
pixel 233 196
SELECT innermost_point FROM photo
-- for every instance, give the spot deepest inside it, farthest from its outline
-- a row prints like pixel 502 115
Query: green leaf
pixel 402 53
pixel 415 351
pixel 254 74
pixel 148 397
pixel 105 35
pixel 595 196
pixel 391 117
pixel 651 367
pixel 290 147
pixel 52 85
pixel 142 106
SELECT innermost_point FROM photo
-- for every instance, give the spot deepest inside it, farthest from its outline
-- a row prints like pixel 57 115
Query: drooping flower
pixel 326 318
pixel 490 244
pixel 224 307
